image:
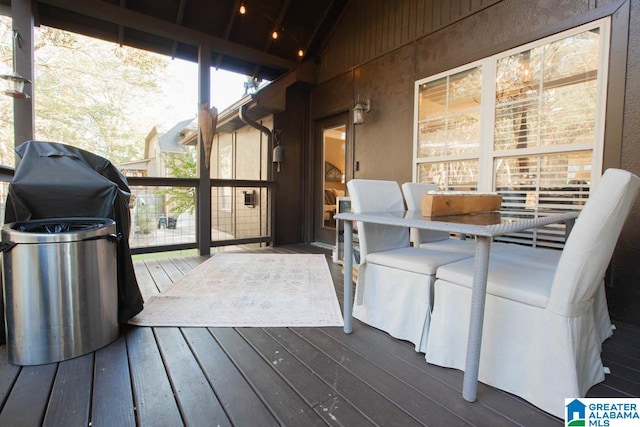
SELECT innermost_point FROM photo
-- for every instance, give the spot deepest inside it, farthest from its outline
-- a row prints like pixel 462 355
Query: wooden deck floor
pixel 269 376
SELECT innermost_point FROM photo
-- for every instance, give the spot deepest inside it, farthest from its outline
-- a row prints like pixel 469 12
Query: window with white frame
pixel 527 123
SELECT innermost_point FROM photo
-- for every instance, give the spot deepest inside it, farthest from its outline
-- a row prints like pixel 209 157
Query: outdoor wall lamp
pixel 361 107
pixel 15 82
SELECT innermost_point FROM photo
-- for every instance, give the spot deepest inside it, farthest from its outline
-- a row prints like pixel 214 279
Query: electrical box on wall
pixel 250 198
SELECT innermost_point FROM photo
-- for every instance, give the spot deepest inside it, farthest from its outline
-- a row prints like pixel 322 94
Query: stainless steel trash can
pixel 60 288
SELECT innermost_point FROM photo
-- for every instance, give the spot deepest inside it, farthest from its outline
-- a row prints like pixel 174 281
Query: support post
pixel 23 109
pixel 203 204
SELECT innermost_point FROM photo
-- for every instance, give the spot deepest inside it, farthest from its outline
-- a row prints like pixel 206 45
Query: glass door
pixel 330 177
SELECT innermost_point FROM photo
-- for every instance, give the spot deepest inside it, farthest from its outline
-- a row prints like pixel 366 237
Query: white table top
pixel 488 224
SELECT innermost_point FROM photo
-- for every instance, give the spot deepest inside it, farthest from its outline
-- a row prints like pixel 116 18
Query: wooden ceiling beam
pixel 227 30
pixel 277 26
pixel 145 23
pixel 123 4
pixel 179 18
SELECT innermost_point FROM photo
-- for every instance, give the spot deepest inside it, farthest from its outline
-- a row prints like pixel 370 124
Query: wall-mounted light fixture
pixel 361 107
pixel 15 82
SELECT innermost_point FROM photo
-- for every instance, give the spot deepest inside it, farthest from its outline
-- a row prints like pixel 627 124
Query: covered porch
pixel 269 376
pixel 302 376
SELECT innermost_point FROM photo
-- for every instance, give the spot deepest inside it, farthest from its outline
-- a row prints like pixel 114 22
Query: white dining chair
pixel 540 339
pixel 537 257
pixel 394 285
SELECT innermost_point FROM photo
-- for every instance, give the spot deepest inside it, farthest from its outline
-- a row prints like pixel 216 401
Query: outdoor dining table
pixel 484 226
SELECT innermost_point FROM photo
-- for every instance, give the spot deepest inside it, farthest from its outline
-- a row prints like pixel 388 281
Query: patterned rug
pixel 261 290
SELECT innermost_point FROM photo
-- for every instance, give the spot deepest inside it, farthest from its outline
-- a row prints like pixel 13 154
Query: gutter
pixel 242 115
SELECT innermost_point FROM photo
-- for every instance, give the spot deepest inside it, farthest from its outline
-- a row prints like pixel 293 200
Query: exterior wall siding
pixel 381 47
pixel 372 28
pixel 293 181
pixel 623 291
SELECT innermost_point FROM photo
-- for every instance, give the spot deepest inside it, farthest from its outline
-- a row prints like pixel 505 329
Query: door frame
pixel 321 234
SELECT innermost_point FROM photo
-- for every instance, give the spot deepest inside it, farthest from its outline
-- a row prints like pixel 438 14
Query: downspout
pixel 242 115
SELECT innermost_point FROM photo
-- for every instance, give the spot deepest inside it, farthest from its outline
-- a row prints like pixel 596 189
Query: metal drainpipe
pixel 242 114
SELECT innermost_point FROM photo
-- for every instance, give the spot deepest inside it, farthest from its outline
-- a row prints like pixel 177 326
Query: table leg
pixel 478 297
pixel 348 276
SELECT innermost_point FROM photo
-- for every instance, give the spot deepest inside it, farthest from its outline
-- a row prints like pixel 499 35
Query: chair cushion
pixel 545 258
pixel 467 247
pixel 417 260
pixel 523 282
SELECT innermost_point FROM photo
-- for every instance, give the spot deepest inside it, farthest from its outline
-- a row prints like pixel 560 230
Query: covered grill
pixel 56 180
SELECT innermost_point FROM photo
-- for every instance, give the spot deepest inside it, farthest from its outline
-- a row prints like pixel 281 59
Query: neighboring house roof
pixel 135 165
pixel 170 140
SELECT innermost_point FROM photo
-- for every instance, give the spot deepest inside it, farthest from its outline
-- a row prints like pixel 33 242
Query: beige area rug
pixel 261 290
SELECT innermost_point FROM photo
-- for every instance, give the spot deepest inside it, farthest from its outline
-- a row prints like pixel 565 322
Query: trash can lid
pixel 57 230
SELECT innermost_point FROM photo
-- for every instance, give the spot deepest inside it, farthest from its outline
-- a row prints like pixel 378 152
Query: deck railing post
pixel 203 205
pixel 23 109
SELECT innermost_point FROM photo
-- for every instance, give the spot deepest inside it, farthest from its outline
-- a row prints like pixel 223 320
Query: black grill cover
pixel 55 180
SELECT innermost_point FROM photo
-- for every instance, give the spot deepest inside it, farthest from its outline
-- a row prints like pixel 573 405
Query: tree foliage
pixel 88 93
pixel 178 199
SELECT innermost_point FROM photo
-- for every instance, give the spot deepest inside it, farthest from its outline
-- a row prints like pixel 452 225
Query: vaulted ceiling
pixel 242 43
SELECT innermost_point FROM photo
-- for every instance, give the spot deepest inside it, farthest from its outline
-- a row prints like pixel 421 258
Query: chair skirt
pixel 542 258
pixel 395 301
pixel 532 352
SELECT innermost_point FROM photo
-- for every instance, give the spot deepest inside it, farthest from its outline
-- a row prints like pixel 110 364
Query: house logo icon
pixel 575 413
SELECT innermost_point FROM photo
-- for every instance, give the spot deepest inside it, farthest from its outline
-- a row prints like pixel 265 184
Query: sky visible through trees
pixel 102 97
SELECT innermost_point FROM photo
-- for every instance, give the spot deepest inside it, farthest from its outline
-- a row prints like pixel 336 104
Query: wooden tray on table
pixel 444 204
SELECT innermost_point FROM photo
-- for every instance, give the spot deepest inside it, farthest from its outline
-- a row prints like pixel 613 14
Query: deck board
pixel 70 401
pixel 406 397
pixel 380 410
pixel 155 401
pixel 196 399
pixel 113 403
pixel 8 375
pixel 334 409
pixel 236 395
pixel 269 376
pixel 171 269
pixel 431 388
pixel 159 276
pixel 286 405
pixel 146 284
pixel 29 396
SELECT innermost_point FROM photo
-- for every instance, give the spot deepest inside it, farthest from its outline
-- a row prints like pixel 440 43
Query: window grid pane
pixel 449 115
pixel 451 176
pixel 546 96
pixel 546 106
pixel 539 183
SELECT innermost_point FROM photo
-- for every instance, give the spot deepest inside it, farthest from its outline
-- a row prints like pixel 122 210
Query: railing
pixel 164 212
